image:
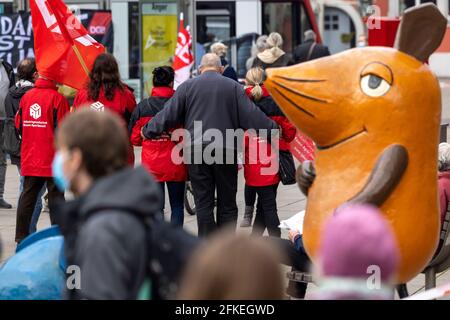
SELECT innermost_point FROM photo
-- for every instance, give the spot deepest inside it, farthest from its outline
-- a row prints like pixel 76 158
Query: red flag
pixel 64 50
pixel 302 147
pixel 184 59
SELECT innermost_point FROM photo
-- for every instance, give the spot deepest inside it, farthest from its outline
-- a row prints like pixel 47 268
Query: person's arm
pixel 18 120
pixel 130 105
pixel 61 111
pixel 288 131
pixel 170 117
pixel 135 135
pixel 249 115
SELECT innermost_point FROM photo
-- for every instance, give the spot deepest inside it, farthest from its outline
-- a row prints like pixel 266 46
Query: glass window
pixel 405 4
pixel 305 23
pixel 215 21
pixel 278 17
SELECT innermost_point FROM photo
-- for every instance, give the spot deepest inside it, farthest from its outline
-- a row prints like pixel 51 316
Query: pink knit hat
pixel 356 238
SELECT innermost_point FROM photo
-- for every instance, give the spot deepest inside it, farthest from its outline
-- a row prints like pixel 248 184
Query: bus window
pixel 305 23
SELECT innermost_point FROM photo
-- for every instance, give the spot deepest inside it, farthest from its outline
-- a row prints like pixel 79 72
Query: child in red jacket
pixel 260 157
pixel 157 153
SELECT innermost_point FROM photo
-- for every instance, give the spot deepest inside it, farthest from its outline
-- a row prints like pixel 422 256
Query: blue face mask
pixel 58 174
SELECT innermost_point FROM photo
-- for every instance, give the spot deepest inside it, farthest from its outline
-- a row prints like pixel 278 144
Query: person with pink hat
pixel 358 256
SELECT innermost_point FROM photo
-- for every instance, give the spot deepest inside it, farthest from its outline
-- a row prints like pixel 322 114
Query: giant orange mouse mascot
pixel 374 114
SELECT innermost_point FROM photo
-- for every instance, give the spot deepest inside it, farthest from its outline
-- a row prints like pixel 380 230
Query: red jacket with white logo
pixel 40 111
pixel 260 160
pixel 123 103
pixel 156 153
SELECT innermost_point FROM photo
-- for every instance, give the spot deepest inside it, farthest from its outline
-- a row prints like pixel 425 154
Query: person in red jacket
pixel 157 153
pixel 106 90
pixel 261 175
pixel 444 179
pixel 40 111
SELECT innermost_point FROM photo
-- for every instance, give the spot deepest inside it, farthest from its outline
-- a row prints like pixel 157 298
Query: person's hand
pixel 293 234
pixel 305 175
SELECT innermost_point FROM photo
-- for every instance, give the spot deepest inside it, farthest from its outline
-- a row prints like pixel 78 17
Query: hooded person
pixel 358 256
pixel 104 227
pixel 273 56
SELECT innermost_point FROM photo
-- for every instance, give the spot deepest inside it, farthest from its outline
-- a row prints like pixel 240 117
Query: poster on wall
pixel 16 33
pixel 159 39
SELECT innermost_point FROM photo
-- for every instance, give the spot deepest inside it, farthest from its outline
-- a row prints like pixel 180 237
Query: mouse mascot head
pixel 374 114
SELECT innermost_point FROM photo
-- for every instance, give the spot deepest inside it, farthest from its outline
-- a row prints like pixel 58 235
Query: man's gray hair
pixel 444 157
pixel 310 35
pixel 210 60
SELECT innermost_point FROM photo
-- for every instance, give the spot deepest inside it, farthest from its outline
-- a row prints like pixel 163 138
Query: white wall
pixel 248 17
pixel 440 64
pixel 121 43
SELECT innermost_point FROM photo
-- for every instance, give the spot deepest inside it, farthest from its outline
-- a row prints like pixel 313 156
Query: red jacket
pixel 444 193
pixel 123 103
pixel 40 111
pixel 260 162
pixel 156 153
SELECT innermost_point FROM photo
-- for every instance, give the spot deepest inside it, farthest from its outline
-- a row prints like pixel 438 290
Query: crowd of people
pixel 107 225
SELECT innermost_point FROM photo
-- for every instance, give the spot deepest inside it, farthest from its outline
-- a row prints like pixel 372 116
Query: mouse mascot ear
pixel 421 31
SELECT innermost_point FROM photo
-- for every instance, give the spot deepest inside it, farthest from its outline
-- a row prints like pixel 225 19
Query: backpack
pixel 169 251
pixel 10 138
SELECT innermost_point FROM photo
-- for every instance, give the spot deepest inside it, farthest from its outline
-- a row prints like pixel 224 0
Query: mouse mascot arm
pixel 384 177
pixel 305 175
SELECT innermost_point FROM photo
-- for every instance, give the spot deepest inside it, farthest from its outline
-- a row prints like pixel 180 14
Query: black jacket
pixel 13 99
pixel 229 71
pixel 282 61
pixel 301 52
pixel 218 102
pixel 12 102
pixel 105 234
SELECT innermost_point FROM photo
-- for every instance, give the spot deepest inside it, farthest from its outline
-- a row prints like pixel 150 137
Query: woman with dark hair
pixel 157 153
pixel 106 90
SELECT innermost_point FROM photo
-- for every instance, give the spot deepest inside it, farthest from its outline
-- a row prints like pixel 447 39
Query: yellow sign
pixel 159 39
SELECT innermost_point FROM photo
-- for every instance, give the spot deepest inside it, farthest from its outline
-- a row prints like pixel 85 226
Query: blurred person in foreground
pixel 103 228
pixel 358 256
pixel 233 267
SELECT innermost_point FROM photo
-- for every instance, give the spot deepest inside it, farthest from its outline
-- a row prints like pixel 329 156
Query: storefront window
pixel 405 4
pixel 215 21
pixel 278 17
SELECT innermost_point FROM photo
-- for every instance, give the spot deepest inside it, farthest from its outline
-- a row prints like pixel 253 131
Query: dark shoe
pixel 4 204
pixel 248 217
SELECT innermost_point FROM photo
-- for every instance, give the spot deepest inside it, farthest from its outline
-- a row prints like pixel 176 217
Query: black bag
pixel 11 140
pixel 286 169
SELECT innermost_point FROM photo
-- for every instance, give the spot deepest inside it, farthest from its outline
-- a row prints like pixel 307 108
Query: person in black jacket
pixel 273 56
pixel 310 49
pixel 221 50
pixel 103 228
pixel 27 75
pixel 210 104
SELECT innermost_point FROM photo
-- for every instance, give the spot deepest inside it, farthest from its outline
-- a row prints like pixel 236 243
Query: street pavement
pixel 290 201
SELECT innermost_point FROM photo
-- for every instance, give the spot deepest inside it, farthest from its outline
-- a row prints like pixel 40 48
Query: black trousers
pixel 27 202
pixel 205 180
pixel 266 211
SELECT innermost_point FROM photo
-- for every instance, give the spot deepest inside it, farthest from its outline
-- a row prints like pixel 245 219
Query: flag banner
pixel 184 59
pixel 302 147
pixel 16 33
pixel 64 51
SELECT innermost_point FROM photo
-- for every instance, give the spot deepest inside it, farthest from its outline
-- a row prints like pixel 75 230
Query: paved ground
pixel 290 201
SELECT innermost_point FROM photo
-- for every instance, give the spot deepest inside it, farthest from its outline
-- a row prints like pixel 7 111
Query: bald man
pixel 216 104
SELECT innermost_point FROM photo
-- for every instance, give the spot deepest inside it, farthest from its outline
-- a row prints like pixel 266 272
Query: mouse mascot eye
pixel 374 86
